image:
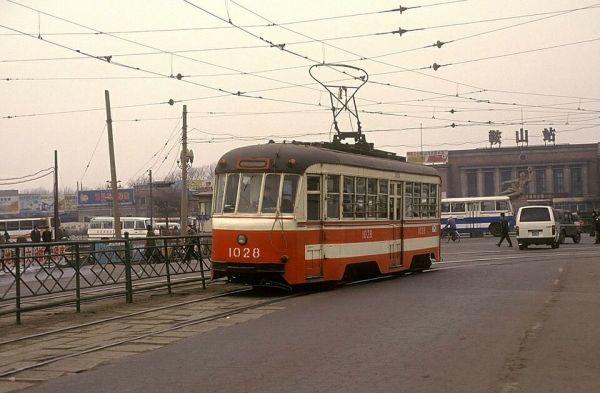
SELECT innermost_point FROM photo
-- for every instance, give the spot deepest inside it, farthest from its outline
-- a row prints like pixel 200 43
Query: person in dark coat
pixel 152 252
pixel 47 238
pixel 597 227
pixel 36 236
pixel 504 228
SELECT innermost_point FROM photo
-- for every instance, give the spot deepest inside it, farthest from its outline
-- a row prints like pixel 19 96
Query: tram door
pixel 314 209
pixel 396 210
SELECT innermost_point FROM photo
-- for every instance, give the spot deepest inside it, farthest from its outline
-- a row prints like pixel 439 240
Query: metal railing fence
pixel 45 275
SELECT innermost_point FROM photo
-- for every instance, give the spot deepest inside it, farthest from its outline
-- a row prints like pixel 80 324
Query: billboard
pixel 9 202
pixel 434 157
pixel 36 203
pixel 104 197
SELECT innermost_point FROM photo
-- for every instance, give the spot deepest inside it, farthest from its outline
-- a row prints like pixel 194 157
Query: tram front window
pixel 250 185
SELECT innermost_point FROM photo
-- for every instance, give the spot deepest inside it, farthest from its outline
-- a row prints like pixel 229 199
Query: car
pixel 537 225
pixel 568 226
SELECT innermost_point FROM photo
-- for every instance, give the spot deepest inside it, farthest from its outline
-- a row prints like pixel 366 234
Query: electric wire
pixel 93 153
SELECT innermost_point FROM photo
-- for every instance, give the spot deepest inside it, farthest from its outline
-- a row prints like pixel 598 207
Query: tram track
pixel 509 259
pixel 136 336
pixel 112 291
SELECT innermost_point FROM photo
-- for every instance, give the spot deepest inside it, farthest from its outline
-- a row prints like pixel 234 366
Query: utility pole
pixel 151 200
pixel 113 170
pixel 184 161
pixel 56 218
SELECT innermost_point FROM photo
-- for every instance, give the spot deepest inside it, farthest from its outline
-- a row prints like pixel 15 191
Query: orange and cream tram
pixel 296 213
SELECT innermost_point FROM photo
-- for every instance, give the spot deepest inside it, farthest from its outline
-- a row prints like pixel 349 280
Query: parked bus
pixel 103 227
pixel 296 213
pixel 22 227
pixel 477 215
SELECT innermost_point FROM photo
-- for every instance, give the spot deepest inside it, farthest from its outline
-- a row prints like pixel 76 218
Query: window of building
pixel 471 183
pixel 489 186
pixel 540 181
pixel 576 181
pixel 559 180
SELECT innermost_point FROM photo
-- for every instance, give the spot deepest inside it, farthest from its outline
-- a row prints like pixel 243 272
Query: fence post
pixel 18 282
pixel 128 283
pixel 77 278
pixel 167 265
pixel 201 261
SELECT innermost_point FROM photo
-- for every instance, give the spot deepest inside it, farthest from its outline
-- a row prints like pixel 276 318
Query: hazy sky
pixel 503 64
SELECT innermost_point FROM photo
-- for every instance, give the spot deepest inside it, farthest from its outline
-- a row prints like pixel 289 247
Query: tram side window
pixel 333 196
pixel 348 197
pixel 250 185
pixel 231 190
pixel 313 197
pixel 220 188
pixel 372 198
pixel 288 193
pixel 361 190
pixel 408 199
pixel 433 200
pixel 382 199
pixel 416 208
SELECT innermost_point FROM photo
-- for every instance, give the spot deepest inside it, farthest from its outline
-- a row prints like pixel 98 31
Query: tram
pixel 296 213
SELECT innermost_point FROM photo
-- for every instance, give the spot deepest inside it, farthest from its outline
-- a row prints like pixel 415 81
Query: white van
pixel 537 225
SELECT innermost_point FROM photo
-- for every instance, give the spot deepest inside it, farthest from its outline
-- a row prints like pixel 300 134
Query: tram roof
pixel 307 154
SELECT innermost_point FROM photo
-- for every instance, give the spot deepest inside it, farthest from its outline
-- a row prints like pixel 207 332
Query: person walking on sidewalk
pixel 596 224
pixel 504 231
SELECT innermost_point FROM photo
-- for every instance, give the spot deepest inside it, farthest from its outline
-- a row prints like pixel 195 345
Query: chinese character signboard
pixel 437 157
pixel 104 197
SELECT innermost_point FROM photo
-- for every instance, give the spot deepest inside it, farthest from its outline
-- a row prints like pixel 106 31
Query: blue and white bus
pixel 477 215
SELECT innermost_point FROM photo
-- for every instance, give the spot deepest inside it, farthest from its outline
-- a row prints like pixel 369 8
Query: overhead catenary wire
pixel 93 153
pixel 26 180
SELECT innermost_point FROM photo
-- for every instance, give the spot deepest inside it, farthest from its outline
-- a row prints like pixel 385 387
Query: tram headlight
pixel 242 239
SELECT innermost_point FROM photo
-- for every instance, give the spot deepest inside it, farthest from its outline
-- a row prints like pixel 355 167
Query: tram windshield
pixel 255 193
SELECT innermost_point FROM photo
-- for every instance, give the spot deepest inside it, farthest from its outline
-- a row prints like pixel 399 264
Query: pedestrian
pixel 2 241
pixel 450 229
pixel 46 238
pixel 6 236
pixel 504 228
pixel 152 252
pixel 597 227
pixel 36 236
pixel 193 242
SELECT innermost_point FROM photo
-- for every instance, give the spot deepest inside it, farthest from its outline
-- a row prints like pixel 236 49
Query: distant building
pixel 559 173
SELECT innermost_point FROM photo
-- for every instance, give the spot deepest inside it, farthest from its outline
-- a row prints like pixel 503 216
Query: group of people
pixel 152 252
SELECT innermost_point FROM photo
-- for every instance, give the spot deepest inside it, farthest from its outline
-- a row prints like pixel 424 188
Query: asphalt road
pixel 486 319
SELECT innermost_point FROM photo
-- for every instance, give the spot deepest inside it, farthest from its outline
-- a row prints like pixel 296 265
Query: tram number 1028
pixel 243 252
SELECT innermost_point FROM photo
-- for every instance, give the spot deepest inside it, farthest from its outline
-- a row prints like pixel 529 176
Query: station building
pixel 564 175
